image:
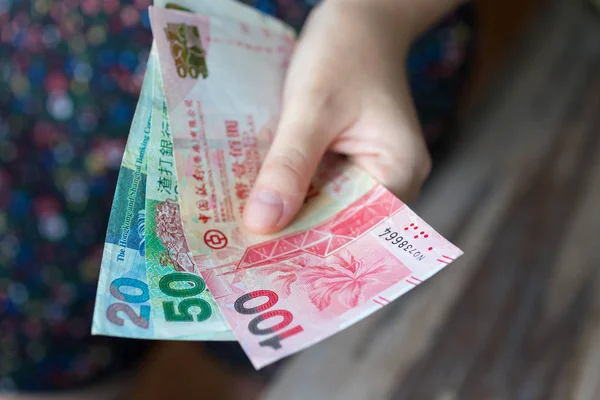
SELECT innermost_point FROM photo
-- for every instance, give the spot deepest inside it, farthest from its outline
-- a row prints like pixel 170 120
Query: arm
pixel 346 91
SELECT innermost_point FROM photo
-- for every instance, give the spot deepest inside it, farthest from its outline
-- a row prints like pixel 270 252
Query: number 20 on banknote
pixel 142 319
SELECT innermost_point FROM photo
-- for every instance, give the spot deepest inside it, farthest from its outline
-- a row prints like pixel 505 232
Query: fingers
pixel 281 185
pixel 388 144
pixel 404 178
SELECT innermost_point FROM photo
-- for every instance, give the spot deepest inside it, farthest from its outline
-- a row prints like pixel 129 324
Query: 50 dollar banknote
pixel 182 307
pixel 143 246
pixel 148 285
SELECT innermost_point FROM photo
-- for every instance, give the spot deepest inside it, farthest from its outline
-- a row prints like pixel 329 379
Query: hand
pixel 346 91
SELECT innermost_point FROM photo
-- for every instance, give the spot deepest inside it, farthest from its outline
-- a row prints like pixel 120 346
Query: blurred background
pixel 517 317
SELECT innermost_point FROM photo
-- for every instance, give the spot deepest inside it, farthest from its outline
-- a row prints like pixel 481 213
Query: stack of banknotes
pixel 178 264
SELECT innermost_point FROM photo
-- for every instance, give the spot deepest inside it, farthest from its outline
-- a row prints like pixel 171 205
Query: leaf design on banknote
pixel 288 273
pixel 287 276
pixel 345 276
pixel 170 231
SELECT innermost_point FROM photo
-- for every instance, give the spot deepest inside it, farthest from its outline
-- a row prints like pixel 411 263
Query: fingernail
pixel 264 210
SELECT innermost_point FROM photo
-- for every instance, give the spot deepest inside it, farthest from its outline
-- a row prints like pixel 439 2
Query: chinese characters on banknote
pixel 178 263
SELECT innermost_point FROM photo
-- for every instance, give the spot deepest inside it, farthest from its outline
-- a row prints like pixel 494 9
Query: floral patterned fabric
pixel 71 71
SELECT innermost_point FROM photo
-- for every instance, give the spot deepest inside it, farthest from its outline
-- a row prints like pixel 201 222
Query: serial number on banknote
pixel 401 242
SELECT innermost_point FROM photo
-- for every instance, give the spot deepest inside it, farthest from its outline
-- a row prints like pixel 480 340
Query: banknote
pixel 353 248
pixel 123 299
pixel 167 254
pixel 124 302
pixel 182 307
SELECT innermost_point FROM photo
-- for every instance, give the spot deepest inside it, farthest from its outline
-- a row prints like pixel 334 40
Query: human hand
pixel 346 91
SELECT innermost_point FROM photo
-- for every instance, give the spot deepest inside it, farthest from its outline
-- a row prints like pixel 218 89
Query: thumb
pixel 281 185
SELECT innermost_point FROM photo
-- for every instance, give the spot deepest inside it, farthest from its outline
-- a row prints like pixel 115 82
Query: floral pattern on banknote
pixel 341 275
pixel 170 231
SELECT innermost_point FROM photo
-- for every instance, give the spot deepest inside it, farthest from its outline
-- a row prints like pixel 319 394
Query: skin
pixel 346 91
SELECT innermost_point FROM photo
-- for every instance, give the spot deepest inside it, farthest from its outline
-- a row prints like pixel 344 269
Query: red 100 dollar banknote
pixel 353 248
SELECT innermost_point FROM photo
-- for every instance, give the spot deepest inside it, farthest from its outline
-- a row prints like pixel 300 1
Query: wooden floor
pixel 518 317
